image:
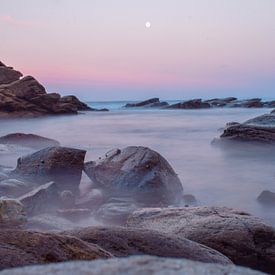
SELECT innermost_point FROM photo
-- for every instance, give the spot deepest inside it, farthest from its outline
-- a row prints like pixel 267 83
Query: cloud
pixel 11 21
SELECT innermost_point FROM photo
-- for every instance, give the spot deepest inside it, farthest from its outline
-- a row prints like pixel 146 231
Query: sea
pixel 215 175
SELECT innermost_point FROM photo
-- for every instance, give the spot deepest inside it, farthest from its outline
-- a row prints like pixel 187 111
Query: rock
pixel 267 197
pixel 28 140
pixel 19 248
pixel 12 213
pixel 20 97
pixel 71 99
pixel 137 172
pixel 143 103
pixel 263 120
pixel 124 242
pixel 220 102
pixel 249 103
pixel 244 239
pixel 190 104
pixel 189 199
pixel 14 188
pixel 43 199
pixel 133 266
pixel 59 164
pixel 8 75
pixel 116 211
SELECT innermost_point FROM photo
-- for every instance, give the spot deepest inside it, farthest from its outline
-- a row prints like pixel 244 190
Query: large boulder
pixel 20 248
pixel 138 172
pixel 191 104
pixel 133 266
pixel 12 213
pixel 124 242
pixel 248 103
pixel 71 99
pixel 244 239
pixel 59 164
pixel 220 102
pixel 28 140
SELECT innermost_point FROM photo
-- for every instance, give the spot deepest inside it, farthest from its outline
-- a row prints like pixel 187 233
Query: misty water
pixel 215 175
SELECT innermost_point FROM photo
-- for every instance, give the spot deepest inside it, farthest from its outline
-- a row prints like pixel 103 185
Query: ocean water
pixel 232 177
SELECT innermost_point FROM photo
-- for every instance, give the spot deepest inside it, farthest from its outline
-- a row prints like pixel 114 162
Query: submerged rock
pixel 267 197
pixel 12 213
pixel 20 248
pixel 124 242
pixel 244 239
pixel 138 172
pixel 59 164
pixel 28 140
pixel 133 266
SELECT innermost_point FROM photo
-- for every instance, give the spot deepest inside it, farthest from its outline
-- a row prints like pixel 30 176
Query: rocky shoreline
pixel 26 97
pixel 132 216
pixel 46 216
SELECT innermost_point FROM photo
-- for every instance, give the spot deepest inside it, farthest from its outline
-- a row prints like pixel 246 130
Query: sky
pixel 102 50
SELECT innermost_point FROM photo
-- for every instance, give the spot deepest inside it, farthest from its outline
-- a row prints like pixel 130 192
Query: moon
pixel 148 25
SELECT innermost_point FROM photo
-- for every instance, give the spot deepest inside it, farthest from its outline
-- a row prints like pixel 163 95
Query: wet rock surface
pixel 28 140
pixel 123 242
pixel 59 164
pixel 243 238
pixel 133 266
pixel 19 248
pixel 137 171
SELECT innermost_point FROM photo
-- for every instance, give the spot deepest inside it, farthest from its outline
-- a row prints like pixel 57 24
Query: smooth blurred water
pixel 216 176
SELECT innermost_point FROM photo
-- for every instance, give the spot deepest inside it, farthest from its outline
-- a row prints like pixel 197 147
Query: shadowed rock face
pixel 123 242
pixel 59 164
pixel 267 197
pixel 28 140
pixel 244 239
pixel 8 75
pixel 19 248
pixel 134 265
pixel 137 171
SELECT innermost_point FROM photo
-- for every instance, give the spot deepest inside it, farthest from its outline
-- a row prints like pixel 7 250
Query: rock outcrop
pixel 138 172
pixel 59 164
pixel 124 242
pixel 20 248
pixel 28 140
pixel 244 239
pixel 132 266
pixel 190 104
pixel 260 129
pixel 26 97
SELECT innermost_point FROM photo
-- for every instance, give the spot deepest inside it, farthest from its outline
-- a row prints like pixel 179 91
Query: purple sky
pixel 101 49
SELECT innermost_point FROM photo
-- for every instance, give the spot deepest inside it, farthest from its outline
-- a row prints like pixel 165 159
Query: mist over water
pixel 215 175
